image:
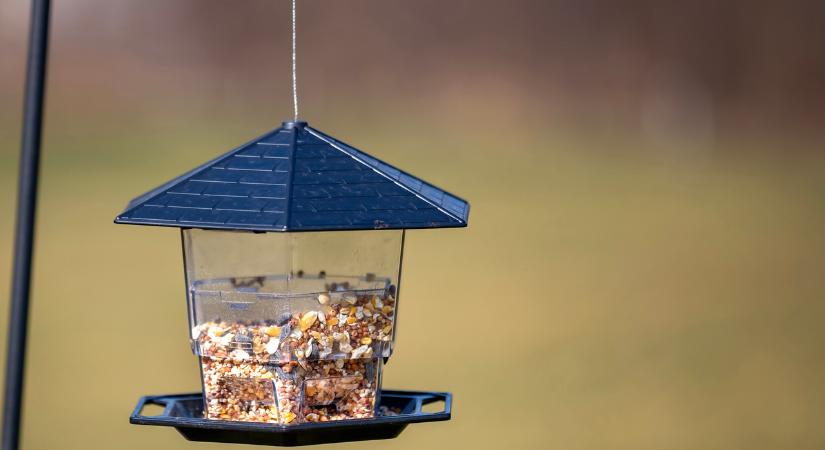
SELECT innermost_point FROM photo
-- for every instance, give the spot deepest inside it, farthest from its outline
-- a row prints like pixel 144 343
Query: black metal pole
pixel 24 230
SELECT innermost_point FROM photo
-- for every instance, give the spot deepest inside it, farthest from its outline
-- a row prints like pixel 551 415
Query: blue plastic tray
pixel 184 412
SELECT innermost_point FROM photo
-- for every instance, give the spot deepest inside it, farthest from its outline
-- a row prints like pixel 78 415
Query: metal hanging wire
pixel 294 65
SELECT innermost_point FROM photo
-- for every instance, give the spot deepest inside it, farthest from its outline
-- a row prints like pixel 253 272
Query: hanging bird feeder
pixel 292 246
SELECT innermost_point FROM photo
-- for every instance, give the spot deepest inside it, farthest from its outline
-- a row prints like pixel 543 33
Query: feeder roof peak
pixel 296 178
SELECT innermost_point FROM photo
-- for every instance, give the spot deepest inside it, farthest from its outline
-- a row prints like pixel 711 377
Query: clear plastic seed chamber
pixel 292 327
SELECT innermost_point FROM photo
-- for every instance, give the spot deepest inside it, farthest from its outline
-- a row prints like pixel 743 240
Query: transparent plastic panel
pixel 290 393
pixel 222 256
pixel 296 331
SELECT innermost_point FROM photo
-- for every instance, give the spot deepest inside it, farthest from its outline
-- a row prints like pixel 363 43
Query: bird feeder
pixel 293 246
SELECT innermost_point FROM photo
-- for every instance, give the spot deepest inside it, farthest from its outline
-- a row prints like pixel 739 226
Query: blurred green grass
pixel 606 294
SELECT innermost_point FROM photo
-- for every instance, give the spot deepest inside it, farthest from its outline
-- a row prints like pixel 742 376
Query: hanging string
pixel 294 66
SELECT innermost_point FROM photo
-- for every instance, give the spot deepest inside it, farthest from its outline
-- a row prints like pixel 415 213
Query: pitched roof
pixel 296 178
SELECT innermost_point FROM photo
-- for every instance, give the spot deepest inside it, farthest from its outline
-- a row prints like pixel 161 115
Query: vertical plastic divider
pixel 191 312
pixel 379 376
pixel 286 296
pixel 398 291
pixel 291 248
pixel 188 261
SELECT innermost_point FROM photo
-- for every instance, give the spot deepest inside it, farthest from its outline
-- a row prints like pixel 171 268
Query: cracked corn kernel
pixel 308 319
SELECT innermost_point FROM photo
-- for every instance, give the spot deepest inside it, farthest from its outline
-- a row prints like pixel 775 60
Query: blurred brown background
pixel 643 266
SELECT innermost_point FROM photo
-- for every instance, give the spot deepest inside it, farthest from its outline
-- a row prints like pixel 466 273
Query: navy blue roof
pixel 296 178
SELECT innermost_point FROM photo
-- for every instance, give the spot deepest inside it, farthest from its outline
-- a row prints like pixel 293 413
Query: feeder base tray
pixel 184 412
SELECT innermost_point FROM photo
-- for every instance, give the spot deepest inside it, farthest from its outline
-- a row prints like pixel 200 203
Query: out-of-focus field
pixel 599 299
pixel 644 263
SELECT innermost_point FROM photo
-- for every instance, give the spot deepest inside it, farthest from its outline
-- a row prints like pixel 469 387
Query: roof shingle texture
pixel 296 178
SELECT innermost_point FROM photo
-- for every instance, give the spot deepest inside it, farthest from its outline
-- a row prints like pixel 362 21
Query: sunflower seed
pixel 272 346
pixel 283 319
pixel 360 351
pixel 285 332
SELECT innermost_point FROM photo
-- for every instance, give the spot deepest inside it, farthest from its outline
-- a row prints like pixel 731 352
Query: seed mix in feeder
pixel 316 366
